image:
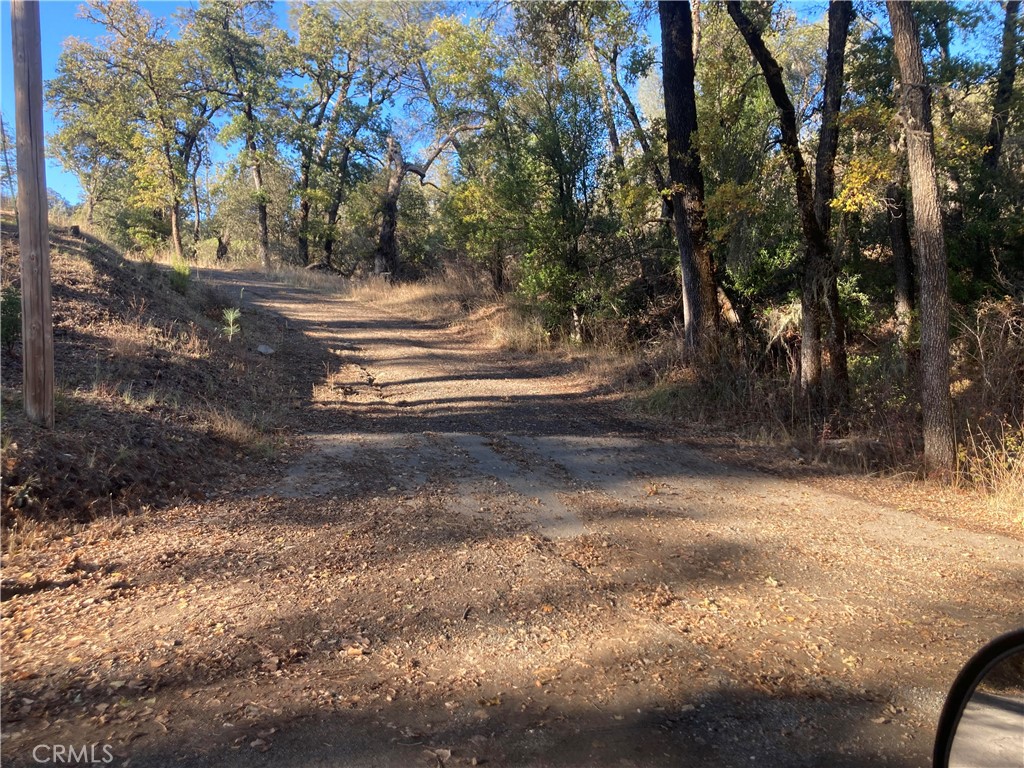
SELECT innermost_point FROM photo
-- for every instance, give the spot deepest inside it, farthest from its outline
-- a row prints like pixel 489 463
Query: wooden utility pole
pixel 33 223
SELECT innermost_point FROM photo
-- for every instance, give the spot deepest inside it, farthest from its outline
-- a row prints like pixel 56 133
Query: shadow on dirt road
pixel 480 559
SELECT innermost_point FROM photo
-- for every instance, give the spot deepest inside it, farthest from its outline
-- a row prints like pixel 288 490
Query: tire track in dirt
pixel 496 431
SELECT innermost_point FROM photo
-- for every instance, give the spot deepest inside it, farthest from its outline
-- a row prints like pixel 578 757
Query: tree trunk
pixel 303 231
pixel 700 296
pixel 33 233
pixel 902 260
pixel 304 208
pixel 695 20
pixel 840 16
pixel 263 229
pixel 497 263
pixel 263 232
pixel 386 257
pixel 197 209
pixel 1004 88
pixel 915 97
pixel 223 241
pixel 176 229
pixel 332 219
pixel 336 200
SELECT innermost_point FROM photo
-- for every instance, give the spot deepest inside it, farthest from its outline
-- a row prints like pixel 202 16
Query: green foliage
pixel 234 196
pixel 135 229
pixel 759 275
pixel 136 115
pixel 878 379
pixel 180 275
pixel 10 316
pixel 857 306
pixel 419 239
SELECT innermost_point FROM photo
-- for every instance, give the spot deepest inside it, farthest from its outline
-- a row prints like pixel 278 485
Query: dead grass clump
pixel 510 327
pixel 23 534
pixel 988 369
pixel 131 341
pixel 443 298
pixel 995 462
pixel 244 435
pixel 321 281
pixel 731 396
pixel 988 388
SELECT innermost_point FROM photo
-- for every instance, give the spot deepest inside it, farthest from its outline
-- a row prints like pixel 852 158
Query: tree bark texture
pixel 263 233
pixel 386 258
pixel 263 227
pixel 700 295
pixel 915 97
pixel 197 209
pixel 902 259
pixel 175 214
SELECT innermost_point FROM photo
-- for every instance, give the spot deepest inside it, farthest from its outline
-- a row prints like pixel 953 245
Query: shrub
pixel 180 274
pixel 10 316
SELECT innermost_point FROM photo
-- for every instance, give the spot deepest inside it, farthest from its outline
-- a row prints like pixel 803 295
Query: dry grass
pixel 310 279
pixel 446 298
pixel 509 326
pixel 23 534
pixel 995 463
pixel 230 427
pixel 141 367
pixel 27 534
pixel 245 435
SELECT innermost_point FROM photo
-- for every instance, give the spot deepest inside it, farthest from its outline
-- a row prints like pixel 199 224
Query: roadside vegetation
pixel 154 399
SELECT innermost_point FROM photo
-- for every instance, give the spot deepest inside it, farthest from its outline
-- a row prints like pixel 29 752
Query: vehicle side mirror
pixel 982 721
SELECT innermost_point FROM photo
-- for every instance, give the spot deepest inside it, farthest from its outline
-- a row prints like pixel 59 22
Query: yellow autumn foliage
pixel 863 184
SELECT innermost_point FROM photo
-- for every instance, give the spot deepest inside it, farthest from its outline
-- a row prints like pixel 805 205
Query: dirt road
pixel 476 560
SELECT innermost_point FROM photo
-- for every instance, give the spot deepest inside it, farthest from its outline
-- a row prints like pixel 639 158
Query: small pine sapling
pixel 231 322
